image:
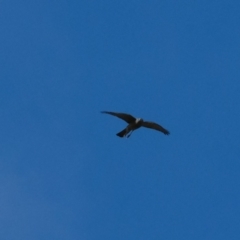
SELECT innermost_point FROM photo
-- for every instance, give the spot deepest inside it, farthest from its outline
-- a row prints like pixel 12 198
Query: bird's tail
pixel 122 133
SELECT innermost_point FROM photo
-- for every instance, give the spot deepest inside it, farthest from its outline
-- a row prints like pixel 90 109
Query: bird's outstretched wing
pixel 156 127
pixel 126 117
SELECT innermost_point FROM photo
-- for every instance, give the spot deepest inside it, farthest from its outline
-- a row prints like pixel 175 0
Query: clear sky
pixel 64 174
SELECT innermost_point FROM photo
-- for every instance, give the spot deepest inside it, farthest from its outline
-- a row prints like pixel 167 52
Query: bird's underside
pixel 135 123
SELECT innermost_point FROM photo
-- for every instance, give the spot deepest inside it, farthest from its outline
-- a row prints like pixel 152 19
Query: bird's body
pixel 135 123
pixel 131 127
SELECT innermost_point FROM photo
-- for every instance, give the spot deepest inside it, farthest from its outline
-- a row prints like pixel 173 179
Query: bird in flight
pixel 135 123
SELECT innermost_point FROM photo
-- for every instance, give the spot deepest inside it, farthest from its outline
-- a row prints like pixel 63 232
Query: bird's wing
pixel 155 126
pixel 126 117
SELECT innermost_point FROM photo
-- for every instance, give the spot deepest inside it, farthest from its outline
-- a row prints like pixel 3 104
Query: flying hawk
pixel 135 123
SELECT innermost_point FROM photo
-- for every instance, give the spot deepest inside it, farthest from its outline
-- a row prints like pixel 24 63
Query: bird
pixel 135 123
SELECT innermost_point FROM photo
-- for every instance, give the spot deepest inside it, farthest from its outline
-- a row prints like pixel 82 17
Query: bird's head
pixel 139 120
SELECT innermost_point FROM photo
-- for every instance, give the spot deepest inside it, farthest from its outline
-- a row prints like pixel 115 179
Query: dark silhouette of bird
pixel 135 123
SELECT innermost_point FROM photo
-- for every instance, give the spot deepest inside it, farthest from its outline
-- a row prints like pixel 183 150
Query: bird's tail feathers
pixel 122 133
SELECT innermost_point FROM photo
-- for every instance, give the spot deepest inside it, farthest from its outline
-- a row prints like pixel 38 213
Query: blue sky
pixel 64 174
